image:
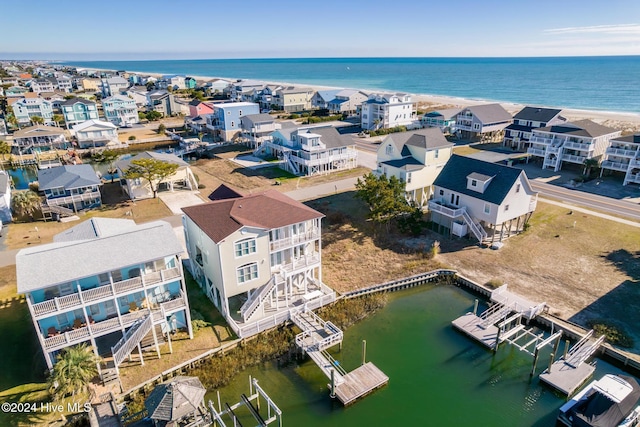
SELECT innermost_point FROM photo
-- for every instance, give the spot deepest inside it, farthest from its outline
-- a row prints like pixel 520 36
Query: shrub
pixel 614 334
pixel 132 138
pixel 494 283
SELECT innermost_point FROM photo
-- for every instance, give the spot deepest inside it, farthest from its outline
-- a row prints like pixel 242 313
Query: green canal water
pixel 438 377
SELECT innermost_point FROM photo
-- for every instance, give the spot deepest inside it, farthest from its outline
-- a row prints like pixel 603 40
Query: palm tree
pixel 25 203
pixel 588 165
pixel 36 120
pixel 75 368
pixel 5 149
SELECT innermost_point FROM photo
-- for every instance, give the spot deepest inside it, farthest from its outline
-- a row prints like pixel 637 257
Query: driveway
pixel 179 199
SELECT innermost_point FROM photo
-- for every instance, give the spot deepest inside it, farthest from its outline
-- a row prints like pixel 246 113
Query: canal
pixel 438 377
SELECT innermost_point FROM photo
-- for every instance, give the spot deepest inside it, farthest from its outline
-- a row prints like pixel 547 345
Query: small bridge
pixel 316 337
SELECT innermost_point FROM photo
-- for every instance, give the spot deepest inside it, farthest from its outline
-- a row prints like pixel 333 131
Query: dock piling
pixel 333 383
pixel 551 357
pixel 364 351
pixel 475 307
pixel 566 349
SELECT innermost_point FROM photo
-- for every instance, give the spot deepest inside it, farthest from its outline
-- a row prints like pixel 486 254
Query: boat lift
pixel 274 414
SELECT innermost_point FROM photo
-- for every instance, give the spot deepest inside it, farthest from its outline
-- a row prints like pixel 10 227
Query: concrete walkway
pixel 317 191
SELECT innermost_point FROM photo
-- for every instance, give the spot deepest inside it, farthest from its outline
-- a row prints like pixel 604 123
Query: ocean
pixel 606 83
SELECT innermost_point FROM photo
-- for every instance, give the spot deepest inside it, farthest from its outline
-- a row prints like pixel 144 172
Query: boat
pixel 610 401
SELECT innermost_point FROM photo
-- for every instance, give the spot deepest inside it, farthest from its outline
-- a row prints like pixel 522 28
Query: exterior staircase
pixel 60 210
pixel 292 166
pixel 250 307
pixel 475 228
pixel 494 314
pixel 134 336
pixel 583 350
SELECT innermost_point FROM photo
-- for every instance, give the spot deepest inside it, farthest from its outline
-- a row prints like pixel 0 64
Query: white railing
pixel 108 325
pixel 619 166
pixel 477 230
pixel 312 234
pixel 131 339
pixel 573 159
pixel 174 304
pixel 66 200
pixel 633 177
pixel 535 139
pixel 302 262
pixel 128 285
pixel 581 146
pixel 621 152
pixel 536 151
pixel 250 306
pixel 98 293
pixel 351 154
pixel 68 301
pixel 439 206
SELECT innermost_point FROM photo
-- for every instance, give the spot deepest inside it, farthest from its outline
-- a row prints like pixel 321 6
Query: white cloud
pixel 598 29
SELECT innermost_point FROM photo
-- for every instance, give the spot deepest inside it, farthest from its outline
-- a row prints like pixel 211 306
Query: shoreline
pixel 628 122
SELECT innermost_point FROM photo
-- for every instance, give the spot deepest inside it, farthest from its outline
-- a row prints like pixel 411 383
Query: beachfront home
pixel 623 155
pixel 224 123
pixel 387 110
pixel 483 123
pixel 415 158
pixel 75 187
pixel 114 86
pixel 292 99
pixel 106 282
pixel 256 128
pixel 5 198
pixel 199 108
pixel 347 101
pixel 139 95
pixel 571 142
pixel 320 99
pixel 96 133
pixel 444 119
pixel 78 110
pixel 175 82
pixel 39 137
pixel 245 90
pixel 489 200
pixel 256 257
pixel 26 108
pixel 216 86
pixel 139 188
pixel 518 133
pixel 310 150
pixel 163 102
pixel 43 85
pixel 120 110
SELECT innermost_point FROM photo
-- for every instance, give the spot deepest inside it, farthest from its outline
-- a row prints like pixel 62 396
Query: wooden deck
pixel 566 378
pixel 469 324
pixel 360 382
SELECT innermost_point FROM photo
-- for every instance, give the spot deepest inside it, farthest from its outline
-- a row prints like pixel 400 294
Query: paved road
pixel 593 201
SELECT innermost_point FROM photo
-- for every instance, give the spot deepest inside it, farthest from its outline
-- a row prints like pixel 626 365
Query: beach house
pixel 245 90
pixel 163 102
pixel 256 257
pixel 293 99
pixel 182 179
pixel 387 110
pixel 320 99
pixel 415 158
pixel 120 110
pixel 310 150
pixel 91 85
pixel 26 108
pixel 518 133
pixel 622 156
pixel 114 86
pixel 43 85
pixel 96 133
pixel 487 200
pixel 106 282
pixel 224 123
pixel 74 187
pixel 570 142
pixel 444 119
pixel 39 137
pixel 482 123
pixel 78 110
pixel 347 101
pixel 256 128
pixel 199 108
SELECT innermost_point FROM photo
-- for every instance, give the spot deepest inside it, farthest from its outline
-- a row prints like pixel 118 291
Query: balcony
pixel 70 200
pixel 580 146
pixel 536 152
pixel 312 259
pixel 78 335
pixel 617 166
pixel 535 139
pixel 574 159
pixel 108 291
pixel 312 234
pixel 350 154
pixel 442 207
pixel 621 152
pixel 633 177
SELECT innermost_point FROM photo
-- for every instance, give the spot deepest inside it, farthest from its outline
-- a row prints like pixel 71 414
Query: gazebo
pixel 177 402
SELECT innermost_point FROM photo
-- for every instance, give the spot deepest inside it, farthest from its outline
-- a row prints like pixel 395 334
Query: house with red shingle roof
pixel 256 257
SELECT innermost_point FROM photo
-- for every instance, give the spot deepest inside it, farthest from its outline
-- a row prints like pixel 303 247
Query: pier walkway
pixel 316 337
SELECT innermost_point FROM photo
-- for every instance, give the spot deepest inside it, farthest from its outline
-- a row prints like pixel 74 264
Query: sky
pixel 220 29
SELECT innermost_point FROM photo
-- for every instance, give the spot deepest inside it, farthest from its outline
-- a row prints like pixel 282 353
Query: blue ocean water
pixel 595 83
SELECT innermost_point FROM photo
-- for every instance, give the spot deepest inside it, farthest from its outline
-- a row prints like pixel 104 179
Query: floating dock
pixel 316 337
pixel 473 326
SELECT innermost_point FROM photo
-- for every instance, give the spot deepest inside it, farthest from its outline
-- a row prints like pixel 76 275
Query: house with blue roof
pixel 321 98
pixel 347 101
pixel 224 124
pixel 444 119
pixel 75 187
pixel 487 200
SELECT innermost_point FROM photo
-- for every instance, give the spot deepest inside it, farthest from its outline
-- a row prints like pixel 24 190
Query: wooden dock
pixel 471 325
pixel 360 382
pixel 566 378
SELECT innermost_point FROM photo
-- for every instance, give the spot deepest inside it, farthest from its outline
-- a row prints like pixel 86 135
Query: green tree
pixel 385 197
pixel 107 157
pixel 153 115
pixel 589 165
pixel 151 170
pixel 142 116
pixel 25 203
pixel 162 129
pixel 36 120
pixel 5 149
pixel 58 118
pixel 74 370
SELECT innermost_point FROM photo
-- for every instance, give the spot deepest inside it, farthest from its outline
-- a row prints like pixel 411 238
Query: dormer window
pixel 389 150
pixel 474 183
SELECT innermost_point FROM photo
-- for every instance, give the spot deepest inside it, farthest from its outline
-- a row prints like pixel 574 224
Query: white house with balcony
pixel 487 200
pixel 40 138
pixel 310 150
pixel 257 257
pixel 347 101
pixel 256 128
pixel 96 133
pixel 415 158
pixel 623 156
pixel 387 110
pixel 518 133
pixel 106 282
pixel 120 110
pixel 444 119
pixel 571 142
pixel 483 123
pixel 27 108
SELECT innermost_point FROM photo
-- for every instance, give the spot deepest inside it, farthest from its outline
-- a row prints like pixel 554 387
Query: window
pixel 506 208
pixel 436 153
pixel 517 188
pixel 247 272
pixel 389 150
pixel 476 126
pixel 408 177
pixel 474 183
pixel 487 208
pixel 245 247
pixel 441 192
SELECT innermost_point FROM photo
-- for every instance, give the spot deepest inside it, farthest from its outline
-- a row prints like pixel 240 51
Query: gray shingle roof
pixel 175 399
pixel 407 163
pixel 585 127
pixel 490 113
pixel 47 265
pixel 67 176
pixel 257 118
pixel 628 138
pixel 429 138
pixel 447 113
pixel 537 114
pixel 76 100
pixel 125 164
pixel 454 177
pixel 93 228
